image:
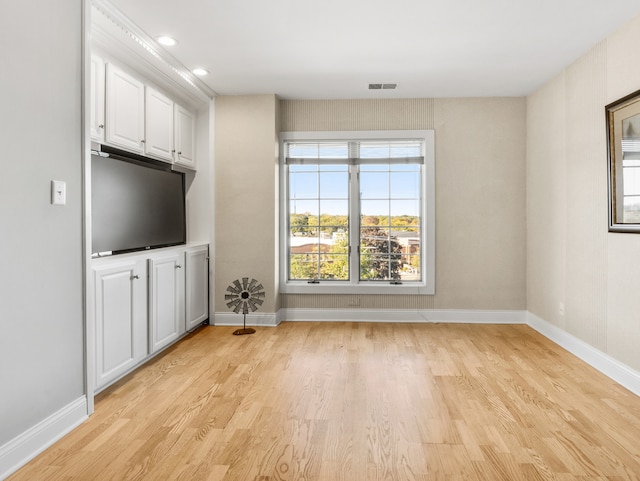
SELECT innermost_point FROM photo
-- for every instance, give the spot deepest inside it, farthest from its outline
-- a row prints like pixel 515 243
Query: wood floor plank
pixel 356 401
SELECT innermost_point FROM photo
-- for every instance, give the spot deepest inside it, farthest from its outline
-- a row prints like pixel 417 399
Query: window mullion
pixel 354 213
pixel 354 223
pixel 319 231
pixel 354 149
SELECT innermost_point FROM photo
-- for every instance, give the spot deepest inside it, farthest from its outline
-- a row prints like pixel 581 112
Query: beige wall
pixel 623 250
pixel 480 190
pixel 246 195
pixel 572 259
pixel 480 203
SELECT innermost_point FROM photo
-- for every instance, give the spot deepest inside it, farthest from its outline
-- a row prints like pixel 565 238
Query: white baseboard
pixel 619 372
pixel 373 315
pixel 610 367
pixel 254 319
pixel 17 452
pixel 405 315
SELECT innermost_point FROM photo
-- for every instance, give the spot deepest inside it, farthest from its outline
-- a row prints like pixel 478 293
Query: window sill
pixel 414 288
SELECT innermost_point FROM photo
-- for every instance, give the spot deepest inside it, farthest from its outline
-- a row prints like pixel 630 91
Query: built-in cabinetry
pixel 184 137
pixel 144 302
pixel 128 114
pixel 158 114
pixel 124 111
pixel 120 298
pixel 197 268
pixel 166 298
pixel 96 119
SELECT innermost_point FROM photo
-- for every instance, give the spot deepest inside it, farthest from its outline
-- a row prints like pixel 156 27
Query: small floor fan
pixel 244 295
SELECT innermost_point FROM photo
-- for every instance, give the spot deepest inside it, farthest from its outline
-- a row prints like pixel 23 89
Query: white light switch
pixel 58 192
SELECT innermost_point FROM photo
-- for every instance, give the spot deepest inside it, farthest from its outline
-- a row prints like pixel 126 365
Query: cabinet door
pixel 96 99
pixel 166 299
pixel 184 138
pixel 125 110
pixel 158 124
pixel 121 318
pixel 197 285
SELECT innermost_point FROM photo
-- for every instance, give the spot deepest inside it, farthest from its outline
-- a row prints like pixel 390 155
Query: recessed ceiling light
pixel 200 72
pixel 167 41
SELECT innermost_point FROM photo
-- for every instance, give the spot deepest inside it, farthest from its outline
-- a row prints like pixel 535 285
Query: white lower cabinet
pixel 121 317
pixel 166 299
pixel 143 302
pixel 197 285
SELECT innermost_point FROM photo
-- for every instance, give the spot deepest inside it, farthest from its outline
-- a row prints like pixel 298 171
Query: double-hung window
pixel 357 212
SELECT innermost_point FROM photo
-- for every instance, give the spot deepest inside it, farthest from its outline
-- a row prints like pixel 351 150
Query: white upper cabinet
pixel 158 125
pixel 135 117
pixel 96 120
pixel 184 137
pixel 125 111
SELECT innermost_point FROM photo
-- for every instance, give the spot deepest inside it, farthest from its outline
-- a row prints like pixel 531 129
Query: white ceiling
pixel 332 49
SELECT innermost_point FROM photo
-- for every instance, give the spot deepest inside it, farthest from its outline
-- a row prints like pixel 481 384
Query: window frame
pixel 617 146
pixel 354 285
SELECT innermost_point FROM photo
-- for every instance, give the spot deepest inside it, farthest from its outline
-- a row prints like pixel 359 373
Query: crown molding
pixel 117 35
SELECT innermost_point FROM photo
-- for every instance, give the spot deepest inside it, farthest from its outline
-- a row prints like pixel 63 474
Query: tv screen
pixel 135 205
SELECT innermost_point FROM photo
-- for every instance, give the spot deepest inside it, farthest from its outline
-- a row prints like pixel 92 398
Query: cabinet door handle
pixel 101 126
pixel 135 277
pixel 142 141
pixel 178 266
pixel 179 153
pixel 173 151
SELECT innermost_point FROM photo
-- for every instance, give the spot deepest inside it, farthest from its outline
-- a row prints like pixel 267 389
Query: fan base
pixel 240 332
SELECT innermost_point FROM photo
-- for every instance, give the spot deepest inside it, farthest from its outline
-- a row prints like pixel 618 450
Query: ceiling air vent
pixel 383 86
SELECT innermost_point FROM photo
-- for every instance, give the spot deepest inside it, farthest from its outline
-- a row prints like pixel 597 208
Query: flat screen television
pixel 135 205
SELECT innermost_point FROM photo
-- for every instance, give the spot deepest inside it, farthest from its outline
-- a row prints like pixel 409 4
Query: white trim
pixel 428 212
pixel 371 288
pixel 607 365
pixel 26 446
pixel 231 319
pixel 112 30
pixel 87 281
pixel 405 315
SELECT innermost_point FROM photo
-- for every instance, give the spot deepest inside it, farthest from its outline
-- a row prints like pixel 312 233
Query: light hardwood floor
pixel 356 402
